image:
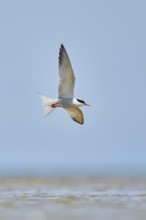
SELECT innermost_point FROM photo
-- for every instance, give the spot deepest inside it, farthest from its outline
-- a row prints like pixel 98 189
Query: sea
pixel 72 198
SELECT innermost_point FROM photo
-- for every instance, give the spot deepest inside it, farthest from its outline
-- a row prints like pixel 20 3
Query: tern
pixel 66 86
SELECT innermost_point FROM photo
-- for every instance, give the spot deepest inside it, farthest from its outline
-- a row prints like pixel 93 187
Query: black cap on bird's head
pixel 81 101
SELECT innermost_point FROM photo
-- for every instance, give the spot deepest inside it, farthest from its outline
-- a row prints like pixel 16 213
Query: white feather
pixel 47 103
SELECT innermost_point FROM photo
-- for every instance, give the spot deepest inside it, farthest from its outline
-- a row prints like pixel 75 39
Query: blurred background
pixel 106 42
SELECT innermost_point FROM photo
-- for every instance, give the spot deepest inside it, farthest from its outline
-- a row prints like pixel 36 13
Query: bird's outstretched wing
pixel 76 114
pixel 67 78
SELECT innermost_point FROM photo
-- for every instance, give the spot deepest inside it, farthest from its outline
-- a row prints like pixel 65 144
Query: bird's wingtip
pixel 62 46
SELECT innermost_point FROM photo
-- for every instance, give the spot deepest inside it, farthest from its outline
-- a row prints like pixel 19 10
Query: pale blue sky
pixel 106 42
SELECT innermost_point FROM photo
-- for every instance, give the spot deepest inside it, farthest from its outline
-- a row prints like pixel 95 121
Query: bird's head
pixel 81 102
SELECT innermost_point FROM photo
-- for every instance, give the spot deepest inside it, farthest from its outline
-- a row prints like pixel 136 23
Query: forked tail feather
pixel 47 103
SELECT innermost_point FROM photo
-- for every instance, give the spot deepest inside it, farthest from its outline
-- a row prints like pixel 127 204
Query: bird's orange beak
pixel 87 104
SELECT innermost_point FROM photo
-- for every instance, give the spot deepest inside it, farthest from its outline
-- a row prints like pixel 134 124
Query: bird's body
pixel 65 98
pixel 65 102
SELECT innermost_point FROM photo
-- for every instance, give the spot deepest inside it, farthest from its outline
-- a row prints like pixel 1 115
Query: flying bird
pixel 66 86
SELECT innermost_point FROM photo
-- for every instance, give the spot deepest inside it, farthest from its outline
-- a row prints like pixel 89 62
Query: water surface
pixel 72 198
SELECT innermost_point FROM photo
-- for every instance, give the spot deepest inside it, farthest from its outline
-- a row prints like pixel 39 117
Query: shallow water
pixel 72 198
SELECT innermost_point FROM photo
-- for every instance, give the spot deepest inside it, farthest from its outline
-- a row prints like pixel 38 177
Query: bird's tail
pixel 46 103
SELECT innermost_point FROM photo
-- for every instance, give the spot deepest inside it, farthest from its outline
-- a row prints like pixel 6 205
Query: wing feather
pixel 67 78
pixel 76 114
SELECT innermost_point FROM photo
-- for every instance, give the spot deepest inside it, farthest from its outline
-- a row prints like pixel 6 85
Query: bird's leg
pixel 54 105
